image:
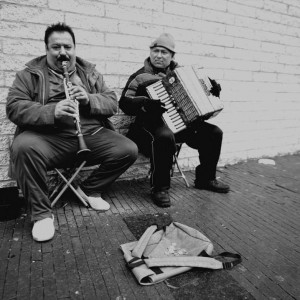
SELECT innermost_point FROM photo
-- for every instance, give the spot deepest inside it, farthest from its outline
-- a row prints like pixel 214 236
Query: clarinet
pixel 83 150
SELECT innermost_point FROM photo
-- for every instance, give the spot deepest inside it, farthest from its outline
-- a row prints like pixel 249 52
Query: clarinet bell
pixel 82 148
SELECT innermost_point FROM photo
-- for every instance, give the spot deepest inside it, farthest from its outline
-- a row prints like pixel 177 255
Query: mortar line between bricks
pixel 238 215
pixel 254 223
pixel 111 266
pixel 251 212
pixel 275 284
pixel 251 254
pixel 121 287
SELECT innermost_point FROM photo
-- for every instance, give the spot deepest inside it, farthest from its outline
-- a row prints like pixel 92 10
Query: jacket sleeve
pixel 22 107
pixel 134 95
pixel 103 101
pixel 129 102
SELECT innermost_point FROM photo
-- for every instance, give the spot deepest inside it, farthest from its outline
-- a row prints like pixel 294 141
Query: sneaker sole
pixel 212 190
pixel 38 240
pixel 43 240
pixel 164 205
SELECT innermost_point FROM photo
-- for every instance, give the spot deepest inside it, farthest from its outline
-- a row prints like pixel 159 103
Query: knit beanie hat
pixel 165 40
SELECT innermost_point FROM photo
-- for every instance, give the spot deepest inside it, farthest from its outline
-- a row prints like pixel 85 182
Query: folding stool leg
pixel 182 174
pixel 68 183
pixel 61 184
pixel 57 188
pixel 175 161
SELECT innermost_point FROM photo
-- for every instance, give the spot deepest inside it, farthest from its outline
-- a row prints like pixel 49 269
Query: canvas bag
pixel 161 254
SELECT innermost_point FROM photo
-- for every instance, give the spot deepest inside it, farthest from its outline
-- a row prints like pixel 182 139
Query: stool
pixel 175 163
pixel 73 172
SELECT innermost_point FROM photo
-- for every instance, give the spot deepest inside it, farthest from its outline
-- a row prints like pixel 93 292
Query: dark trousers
pixel 33 154
pixel 205 137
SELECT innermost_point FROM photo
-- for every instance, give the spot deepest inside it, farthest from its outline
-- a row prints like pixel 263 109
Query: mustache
pixel 63 57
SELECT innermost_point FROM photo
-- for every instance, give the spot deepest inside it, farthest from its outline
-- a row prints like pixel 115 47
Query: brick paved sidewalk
pixel 259 218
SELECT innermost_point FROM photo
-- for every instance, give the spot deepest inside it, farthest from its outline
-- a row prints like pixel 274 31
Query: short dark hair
pixel 60 27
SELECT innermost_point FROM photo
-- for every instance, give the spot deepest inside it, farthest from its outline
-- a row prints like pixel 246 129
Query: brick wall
pixel 250 46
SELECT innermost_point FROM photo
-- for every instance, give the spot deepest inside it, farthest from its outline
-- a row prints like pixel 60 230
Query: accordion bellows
pixel 187 97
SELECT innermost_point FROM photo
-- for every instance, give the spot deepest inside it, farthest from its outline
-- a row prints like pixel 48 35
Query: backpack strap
pixel 143 241
pixel 230 264
pixel 195 261
pixel 135 262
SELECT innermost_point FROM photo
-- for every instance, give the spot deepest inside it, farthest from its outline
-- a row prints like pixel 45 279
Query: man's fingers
pixel 66 108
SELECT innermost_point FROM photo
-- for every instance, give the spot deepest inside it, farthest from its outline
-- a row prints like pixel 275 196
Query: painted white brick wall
pixel 251 47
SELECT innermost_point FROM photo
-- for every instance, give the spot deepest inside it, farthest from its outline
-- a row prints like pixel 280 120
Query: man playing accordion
pixel 153 136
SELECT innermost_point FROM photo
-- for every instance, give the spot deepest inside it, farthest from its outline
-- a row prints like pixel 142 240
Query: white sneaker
pixel 43 230
pixel 96 203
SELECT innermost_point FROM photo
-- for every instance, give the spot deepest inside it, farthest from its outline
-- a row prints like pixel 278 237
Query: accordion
pixel 187 97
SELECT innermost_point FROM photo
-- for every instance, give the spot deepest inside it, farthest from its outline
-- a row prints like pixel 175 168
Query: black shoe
pixel 212 185
pixel 161 198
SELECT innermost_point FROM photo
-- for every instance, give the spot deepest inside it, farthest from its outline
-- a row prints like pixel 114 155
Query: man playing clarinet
pixel 46 136
pixel 153 136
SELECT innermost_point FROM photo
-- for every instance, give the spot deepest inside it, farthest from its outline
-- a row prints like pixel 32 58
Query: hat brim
pixel 156 45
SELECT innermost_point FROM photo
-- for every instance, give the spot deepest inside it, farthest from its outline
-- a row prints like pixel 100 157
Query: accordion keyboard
pixel 171 117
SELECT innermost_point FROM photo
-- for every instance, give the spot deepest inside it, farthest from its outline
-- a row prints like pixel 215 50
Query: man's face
pixel 60 44
pixel 160 57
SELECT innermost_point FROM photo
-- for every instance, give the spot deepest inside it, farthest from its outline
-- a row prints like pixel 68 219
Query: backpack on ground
pixel 161 254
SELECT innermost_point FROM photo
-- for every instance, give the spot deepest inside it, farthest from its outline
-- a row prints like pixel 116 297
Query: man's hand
pixel 216 88
pixel 79 93
pixel 154 106
pixel 141 89
pixel 65 108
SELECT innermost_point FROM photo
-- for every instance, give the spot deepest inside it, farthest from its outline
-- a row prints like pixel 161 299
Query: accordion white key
pixel 186 95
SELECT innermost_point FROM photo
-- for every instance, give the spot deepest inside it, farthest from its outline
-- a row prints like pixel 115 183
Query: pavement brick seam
pixel 276 282
pixel 263 257
pixel 84 261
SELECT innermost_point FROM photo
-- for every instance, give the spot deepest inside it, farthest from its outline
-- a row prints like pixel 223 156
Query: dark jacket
pixel 133 98
pixel 132 103
pixel 27 98
pixel 30 92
